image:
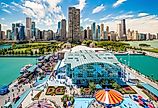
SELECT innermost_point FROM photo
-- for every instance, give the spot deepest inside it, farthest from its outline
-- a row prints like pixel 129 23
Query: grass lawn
pixel 155 50
pixel 22 49
pixel 38 43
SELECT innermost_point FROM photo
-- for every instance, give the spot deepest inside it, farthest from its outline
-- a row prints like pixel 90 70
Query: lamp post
pixel 125 69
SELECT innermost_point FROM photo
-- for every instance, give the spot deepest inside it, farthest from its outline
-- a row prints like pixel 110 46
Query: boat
pixel 24 69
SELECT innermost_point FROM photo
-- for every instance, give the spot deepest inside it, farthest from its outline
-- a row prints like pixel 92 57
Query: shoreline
pixel 151 54
pixel 20 55
pixel 141 76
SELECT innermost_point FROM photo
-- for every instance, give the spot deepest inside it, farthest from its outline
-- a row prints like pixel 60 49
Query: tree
pixel 25 52
pixel 82 91
pixel 92 87
pixel 31 52
pixel 35 52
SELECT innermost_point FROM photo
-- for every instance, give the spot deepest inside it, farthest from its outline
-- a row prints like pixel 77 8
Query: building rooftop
pixel 80 55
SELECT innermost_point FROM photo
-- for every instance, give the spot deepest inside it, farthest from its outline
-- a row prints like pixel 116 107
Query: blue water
pixel 144 64
pixel 10 67
pixel 5 46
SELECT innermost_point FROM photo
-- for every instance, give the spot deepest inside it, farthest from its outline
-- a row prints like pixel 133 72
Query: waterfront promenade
pixel 140 76
pixel 15 91
pixel 151 54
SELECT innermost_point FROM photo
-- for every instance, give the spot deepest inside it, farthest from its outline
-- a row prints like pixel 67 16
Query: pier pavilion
pixel 83 64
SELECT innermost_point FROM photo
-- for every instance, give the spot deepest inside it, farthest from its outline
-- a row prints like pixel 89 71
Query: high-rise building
pixel 102 32
pixel 17 30
pixel 3 37
pixel 13 34
pixel 98 33
pixel 129 35
pixel 37 34
pixel 112 36
pixel 107 33
pixel 59 29
pixel 123 26
pixel 50 35
pixel 119 32
pixel 81 33
pixel 123 30
pixel 28 28
pixel 136 35
pixel 93 28
pixel 0 32
pixel 8 35
pixel 22 33
pixel 59 25
pixel 85 34
pixel 89 33
pixel 142 36
pixel 33 30
pixel 74 23
pixel 63 29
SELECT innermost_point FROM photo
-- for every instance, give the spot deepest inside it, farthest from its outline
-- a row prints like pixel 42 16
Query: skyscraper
pixel 3 35
pixel 98 33
pixel 89 33
pixel 107 33
pixel 33 30
pixel 22 33
pixel 123 30
pixel 93 28
pixel 59 28
pixel 63 29
pixel 8 36
pixel 74 23
pixel 28 28
pixel 13 34
pixel 85 34
pixel 119 32
pixel 102 32
pixel 17 30
pixel 0 32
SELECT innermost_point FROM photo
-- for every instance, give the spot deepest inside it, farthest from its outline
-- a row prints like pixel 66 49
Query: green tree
pixel 92 87
pixel 31 52
pixel 82 91
pixel 36 52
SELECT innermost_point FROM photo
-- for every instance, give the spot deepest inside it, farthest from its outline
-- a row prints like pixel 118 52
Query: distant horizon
pixel 47 13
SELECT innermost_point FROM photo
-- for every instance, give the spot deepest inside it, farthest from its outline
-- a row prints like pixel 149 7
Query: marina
pixel 51 77
pixel 11 66
pixel 146 65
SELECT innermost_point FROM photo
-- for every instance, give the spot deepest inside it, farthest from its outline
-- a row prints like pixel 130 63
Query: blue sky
pixel 141 15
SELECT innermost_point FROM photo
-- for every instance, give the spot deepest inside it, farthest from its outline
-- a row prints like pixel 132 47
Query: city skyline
pixel 47 13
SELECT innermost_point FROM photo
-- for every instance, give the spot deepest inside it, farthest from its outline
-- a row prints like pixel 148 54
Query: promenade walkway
pixel 141 77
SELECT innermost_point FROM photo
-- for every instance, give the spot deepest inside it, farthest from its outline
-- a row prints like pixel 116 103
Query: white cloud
pixel 142 14
pixel 4 5
pixel 46 13
pixel 18 21
pixel 7 11
pixel 142 24
pixel 98 9
pixel 123 16
pixel 86 19
pixel 118 2
pixel 81 5
pixel 106 17
pixel 3 19
pixel 34 9
pixel 4 25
